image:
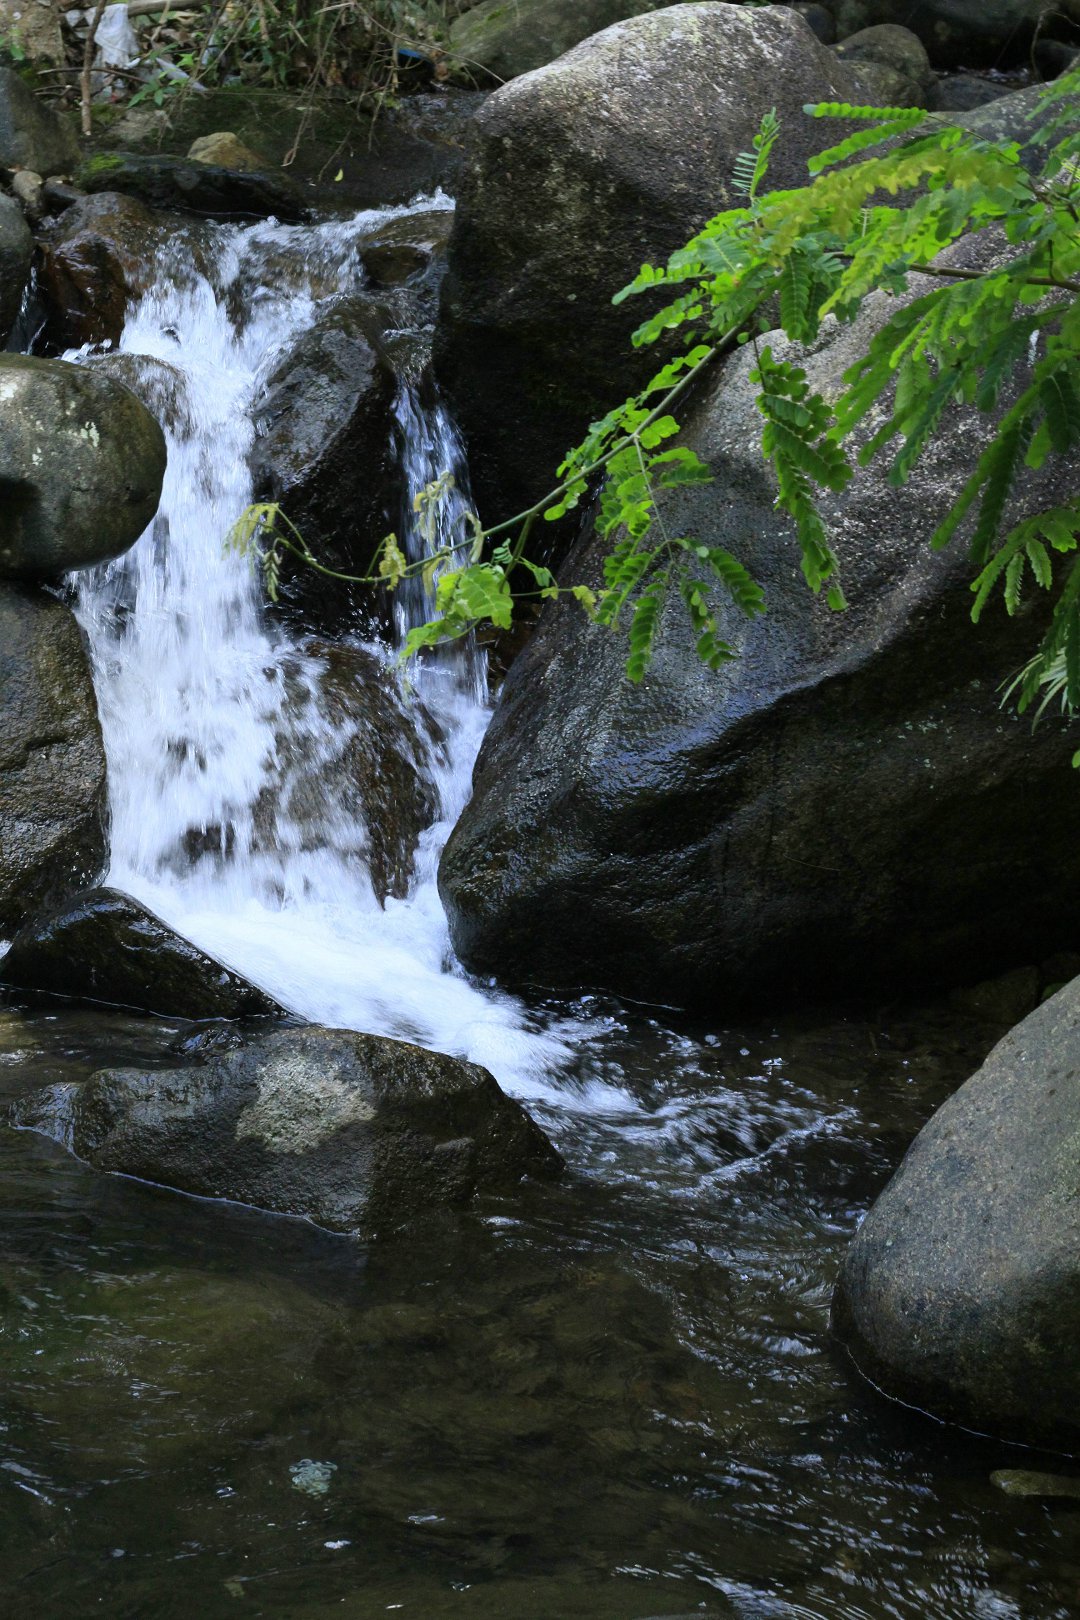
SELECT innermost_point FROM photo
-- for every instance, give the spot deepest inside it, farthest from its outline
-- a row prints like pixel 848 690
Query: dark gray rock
pixel 356 1132
pixel 322 450
pixel 97 258
pixel 406 248
pixel 31 135
pixel 499 39
pixel 193 187
pixel 960 33
pixel 961 1291
pixel 846 808
pixel 102 945
pixel 371 768
pixel 52 761
pixel 16 256
pixel 612 155
pixel 963 92
pixel 819 18
pixel 81 467
pixel 890 66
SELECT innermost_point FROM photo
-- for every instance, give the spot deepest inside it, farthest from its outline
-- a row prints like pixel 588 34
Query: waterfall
pixel 212 712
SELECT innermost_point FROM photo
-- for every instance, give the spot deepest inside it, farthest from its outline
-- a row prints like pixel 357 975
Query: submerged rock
pixel 32 136
pixel 611 155
pixel 356 1132
pixel 1023 1482
pixel 845 808
pixel 16 256
pixel 961 1291
pixel 81 467
pixel 102 945
pixel 194 186
pixel 52 760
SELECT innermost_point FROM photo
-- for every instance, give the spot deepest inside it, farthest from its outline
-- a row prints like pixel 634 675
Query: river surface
pixel 613 1397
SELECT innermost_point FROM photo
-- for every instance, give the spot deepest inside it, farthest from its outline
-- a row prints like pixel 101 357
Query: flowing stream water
pixel 615 1397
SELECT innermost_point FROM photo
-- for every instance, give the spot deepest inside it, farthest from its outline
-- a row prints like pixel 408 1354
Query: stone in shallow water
pixel 1046 1487
pixel 355 1132
pixel 104 946
pixel 961 1291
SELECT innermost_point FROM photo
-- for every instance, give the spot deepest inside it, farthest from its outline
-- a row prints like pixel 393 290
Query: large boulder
pixel 500 39
pixel 101 945
pixel 322 451
pixel 848 807
pixel 52 761
pixel 16 256
pixel 356 1132
pixel 31 135
pixel 81 467
pixel 97 258
pixel 961 1291
pixel 612 155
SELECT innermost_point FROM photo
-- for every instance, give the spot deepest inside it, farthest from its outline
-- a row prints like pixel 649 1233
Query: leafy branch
pixel 1004 340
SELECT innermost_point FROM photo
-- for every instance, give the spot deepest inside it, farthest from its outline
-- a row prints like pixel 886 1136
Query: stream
pixel 612 1397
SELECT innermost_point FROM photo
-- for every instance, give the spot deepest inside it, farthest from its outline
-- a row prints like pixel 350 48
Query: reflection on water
pixel 615 1397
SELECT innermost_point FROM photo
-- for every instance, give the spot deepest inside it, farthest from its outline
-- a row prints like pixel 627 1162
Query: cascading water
pixel 198 690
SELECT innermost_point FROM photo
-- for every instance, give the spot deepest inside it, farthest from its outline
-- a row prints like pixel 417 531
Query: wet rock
pixel 31 135
pixel 1023 1482
pixel 81 467
pixel 52 761
pixel 194 187
pixel 612 155
pixel 406 248
pixel 322 450
pixel 499 39
pixel 225 151
pixel 96 258
pixel 351 755
pixel 16 255
pixel 356 1132
pixel 959 33
pixel 101 945
pixel 961 1290
pixel 846 805
pixel 890 66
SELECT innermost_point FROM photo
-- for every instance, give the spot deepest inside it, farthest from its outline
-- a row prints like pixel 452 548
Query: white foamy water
pixel 210 710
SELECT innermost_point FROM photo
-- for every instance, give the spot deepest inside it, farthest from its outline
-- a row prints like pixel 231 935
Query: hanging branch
pixel 88 58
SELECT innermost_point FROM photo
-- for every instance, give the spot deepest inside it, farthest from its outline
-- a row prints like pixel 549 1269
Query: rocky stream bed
pixel 442 1108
